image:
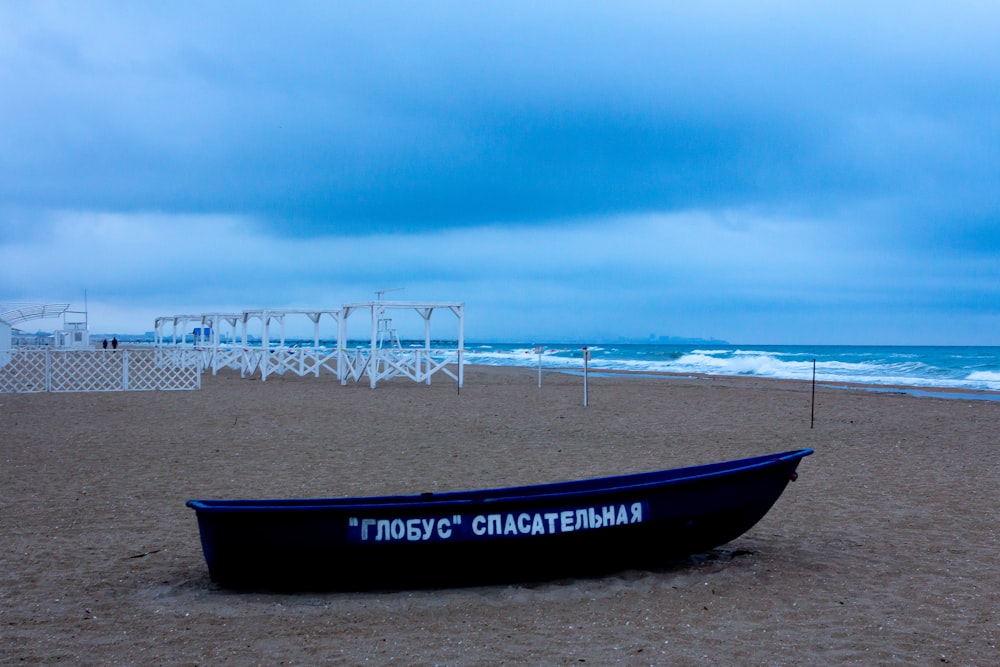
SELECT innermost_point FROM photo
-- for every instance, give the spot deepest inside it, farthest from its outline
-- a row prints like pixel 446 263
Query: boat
pixel 549 531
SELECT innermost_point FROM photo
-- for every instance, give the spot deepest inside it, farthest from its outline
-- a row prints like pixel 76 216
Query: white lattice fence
pixel 163 369
pixel 25 372
pixel 87 370
pixel 99 370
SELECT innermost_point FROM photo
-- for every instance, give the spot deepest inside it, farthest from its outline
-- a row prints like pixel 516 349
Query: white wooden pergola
pixel 207 334
pixel 386 358
pixel 177 322
pixel 382 358
pixel 280 358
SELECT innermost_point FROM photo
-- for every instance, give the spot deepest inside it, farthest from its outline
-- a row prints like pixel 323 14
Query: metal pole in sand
pixel 812 406
pixel 586 372
pixel 538 351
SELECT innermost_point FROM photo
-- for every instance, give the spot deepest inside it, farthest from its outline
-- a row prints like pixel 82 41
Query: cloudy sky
pixel 769 172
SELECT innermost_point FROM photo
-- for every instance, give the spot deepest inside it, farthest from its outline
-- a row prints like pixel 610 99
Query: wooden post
pixel 812 406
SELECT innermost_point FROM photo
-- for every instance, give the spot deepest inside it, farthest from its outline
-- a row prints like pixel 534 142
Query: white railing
pixel 27 371
pixel 279 360
pixel 299 361
pixel 416 364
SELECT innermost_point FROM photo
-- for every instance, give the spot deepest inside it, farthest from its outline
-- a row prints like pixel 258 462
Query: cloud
pixel 580 278
pixel 343 119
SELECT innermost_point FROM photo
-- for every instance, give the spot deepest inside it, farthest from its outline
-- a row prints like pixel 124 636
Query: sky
pixel 769 172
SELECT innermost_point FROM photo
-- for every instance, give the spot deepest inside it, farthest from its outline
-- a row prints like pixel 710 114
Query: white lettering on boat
pixel 495 525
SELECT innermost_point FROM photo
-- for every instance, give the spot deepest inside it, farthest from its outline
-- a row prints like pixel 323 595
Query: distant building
pixel 6 332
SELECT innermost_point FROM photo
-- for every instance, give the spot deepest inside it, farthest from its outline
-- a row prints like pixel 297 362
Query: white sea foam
pixel 985 379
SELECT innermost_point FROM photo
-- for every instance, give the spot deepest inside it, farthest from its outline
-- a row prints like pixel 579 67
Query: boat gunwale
pixel 551 491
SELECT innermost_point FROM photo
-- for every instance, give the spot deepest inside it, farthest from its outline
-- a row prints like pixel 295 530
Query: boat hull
pixel 579 528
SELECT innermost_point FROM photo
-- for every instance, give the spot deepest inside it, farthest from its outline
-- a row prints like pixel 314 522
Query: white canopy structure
pixel 22 312
pixel 74 333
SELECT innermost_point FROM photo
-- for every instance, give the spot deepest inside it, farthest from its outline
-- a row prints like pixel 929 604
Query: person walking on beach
pixel 114 343
pixel 104 343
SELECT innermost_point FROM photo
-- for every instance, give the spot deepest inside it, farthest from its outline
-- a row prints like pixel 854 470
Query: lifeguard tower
pixel 75 332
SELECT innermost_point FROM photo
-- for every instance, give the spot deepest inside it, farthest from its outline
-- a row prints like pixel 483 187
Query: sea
pixel 933 367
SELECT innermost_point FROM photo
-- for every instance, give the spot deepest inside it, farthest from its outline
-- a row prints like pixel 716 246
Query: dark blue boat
pixel 527 533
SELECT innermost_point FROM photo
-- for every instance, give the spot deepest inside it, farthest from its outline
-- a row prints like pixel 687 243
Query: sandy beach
pixel 885 551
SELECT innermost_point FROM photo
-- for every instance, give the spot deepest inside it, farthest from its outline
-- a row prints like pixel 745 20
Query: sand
pixel 885 551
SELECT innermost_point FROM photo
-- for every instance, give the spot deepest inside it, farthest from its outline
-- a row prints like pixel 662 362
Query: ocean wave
pixel 985 379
